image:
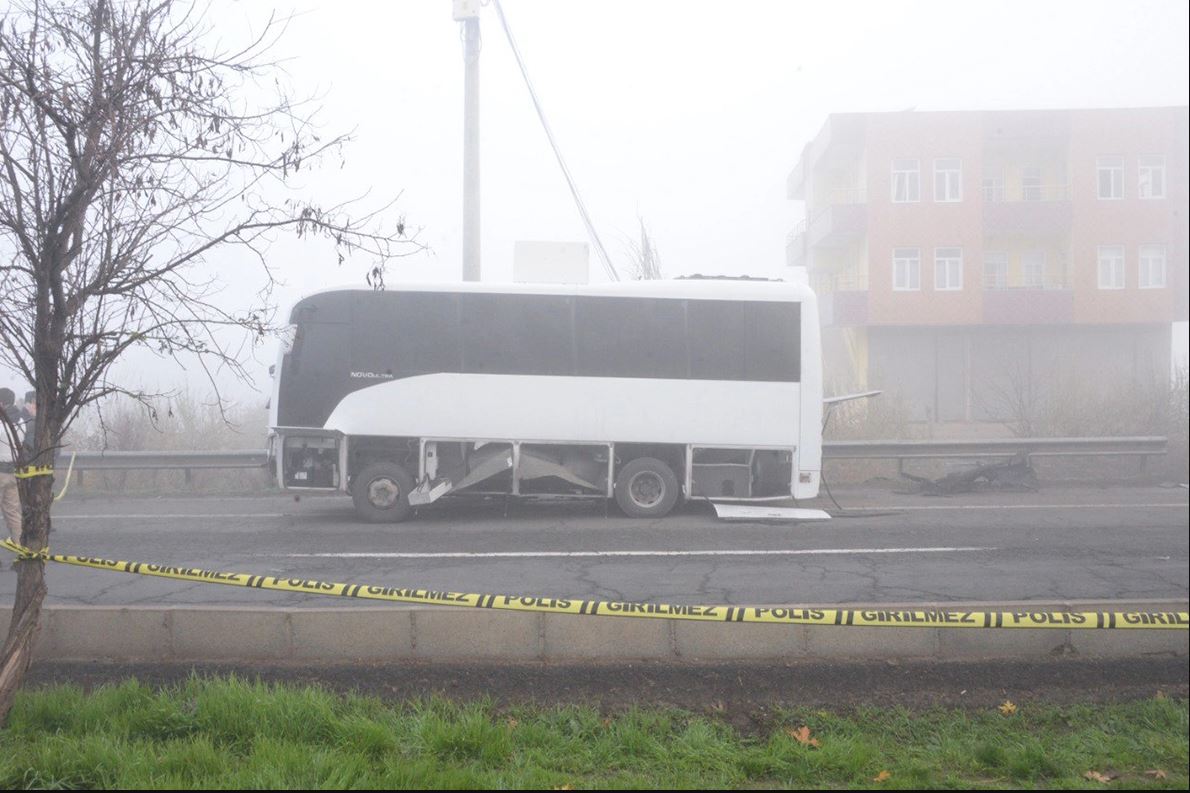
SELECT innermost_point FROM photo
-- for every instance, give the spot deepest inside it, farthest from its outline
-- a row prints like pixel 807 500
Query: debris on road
pixel 1016 474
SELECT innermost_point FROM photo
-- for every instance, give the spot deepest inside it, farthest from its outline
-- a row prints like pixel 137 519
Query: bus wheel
pixel 646 488
pixel 381 493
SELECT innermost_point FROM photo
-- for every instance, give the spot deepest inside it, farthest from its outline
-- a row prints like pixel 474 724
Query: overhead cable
pixel 608 267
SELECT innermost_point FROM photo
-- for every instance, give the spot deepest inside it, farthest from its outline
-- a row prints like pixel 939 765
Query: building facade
pixel 976 263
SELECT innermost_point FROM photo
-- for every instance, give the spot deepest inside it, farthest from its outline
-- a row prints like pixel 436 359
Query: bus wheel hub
pixel 646 488
pixel 383 492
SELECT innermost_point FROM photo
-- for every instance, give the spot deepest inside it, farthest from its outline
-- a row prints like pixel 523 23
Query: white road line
pixel 208 515
pixel 598 554
pixel 910 507
pixel 887 508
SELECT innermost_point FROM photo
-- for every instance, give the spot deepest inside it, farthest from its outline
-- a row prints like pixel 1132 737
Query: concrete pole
pixel 471 270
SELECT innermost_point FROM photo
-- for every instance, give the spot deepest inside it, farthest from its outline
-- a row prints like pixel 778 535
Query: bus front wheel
pixel 646 488
pixel 381 493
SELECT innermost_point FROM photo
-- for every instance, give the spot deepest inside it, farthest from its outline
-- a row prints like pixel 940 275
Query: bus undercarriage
pixel 390 477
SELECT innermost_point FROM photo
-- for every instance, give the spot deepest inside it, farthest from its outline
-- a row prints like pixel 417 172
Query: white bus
pixel 642 392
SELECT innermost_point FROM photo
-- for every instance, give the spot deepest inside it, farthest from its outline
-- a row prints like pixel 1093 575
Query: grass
pixel 230 733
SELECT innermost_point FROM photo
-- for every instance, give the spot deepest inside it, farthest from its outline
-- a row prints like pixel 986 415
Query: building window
pixel 1033 269
pixel 906 269
pixel 948 180
pixel 1110 171
pixel 1030 184
pixel 1151 178
pixel 995 270
pixel 993 186
pixel 948 269
pixel 1152 267
pixel 906 181
pixel 1111 266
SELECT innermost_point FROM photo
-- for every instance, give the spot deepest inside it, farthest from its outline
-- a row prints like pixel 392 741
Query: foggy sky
pixel 688 114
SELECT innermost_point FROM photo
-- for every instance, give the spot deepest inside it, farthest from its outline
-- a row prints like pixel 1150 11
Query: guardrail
pixel 1141 447
pixel 133 461
pixel 832 450
pixel 996 447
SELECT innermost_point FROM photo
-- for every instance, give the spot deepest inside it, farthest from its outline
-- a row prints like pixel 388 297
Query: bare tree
pixel 644 264
pixel 1012 396
pixel 132 149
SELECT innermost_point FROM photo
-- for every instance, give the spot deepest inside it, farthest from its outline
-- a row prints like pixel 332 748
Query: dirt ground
pixel 746 694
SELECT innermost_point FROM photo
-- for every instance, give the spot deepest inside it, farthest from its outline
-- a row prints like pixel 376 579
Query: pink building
pixel 969 259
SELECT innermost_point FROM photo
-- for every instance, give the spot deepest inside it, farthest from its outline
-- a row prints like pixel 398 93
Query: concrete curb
pixel 329 635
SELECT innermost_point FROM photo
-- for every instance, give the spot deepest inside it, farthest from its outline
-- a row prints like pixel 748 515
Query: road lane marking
pixel 887 508
pixel 910 507
pixel 599 554
pixel 176 516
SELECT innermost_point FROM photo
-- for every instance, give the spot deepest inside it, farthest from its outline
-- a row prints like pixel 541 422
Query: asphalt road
pixel 1067 544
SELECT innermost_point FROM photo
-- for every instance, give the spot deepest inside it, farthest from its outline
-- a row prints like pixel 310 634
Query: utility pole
pixel 467 12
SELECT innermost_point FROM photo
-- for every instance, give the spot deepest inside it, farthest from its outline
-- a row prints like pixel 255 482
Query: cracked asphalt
pixel 1056 544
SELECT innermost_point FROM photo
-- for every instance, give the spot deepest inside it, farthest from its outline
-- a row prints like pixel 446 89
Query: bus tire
pixel 381 493
pixel 646 488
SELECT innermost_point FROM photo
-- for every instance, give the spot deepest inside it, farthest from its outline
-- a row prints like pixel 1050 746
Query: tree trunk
pixel 37 496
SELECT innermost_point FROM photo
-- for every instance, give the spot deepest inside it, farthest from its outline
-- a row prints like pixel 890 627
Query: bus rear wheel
pixel 646 488
pixel 381 493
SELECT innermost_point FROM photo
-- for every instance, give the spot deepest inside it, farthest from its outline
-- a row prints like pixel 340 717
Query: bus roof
pixel 682 288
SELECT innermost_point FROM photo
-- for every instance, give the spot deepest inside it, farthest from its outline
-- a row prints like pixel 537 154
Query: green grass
pixel 229 733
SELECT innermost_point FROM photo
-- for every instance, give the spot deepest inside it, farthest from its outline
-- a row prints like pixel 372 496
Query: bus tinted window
pixel 325 307
pixel 630 337
pixel 744 340
pixel 406 334
pixel 774 341
pixel 718 339
pixel 314 373
pixel 391 335
pixel 516 334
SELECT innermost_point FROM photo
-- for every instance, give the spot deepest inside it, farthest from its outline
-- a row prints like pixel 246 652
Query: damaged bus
pixel 641 392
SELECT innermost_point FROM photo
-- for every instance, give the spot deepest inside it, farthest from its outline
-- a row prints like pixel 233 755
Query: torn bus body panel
pixel 429 491
pixel 449 467
pixel 754 512
pixel 503 467
pixel 582 467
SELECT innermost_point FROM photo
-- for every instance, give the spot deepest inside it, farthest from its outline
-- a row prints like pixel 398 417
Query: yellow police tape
pixel 786 615
pixel 30 471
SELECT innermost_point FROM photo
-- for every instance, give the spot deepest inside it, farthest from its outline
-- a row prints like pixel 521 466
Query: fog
pixel 688 115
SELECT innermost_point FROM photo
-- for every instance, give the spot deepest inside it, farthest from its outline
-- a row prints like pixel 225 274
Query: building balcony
pixel 1030 306
pixel 837 225
pixel 843 308
pixel 1034 210
pixel 842 218
pixel 796 254
pixel 840 140
pixel 795 183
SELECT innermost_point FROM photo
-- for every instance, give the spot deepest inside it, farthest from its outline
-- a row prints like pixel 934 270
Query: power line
pixel 608 267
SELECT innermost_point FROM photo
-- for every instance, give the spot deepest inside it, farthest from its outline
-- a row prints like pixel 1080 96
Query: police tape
pixel 786 615
pixel 30 471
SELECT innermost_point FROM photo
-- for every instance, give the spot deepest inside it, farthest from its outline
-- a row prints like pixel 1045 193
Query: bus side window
pixel 774 342
pixel 516 334
pixel 718 343
pixel 630 337
pixel 408 334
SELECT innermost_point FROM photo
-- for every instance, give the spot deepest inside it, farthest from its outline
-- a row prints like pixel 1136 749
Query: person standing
pixel 10 497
